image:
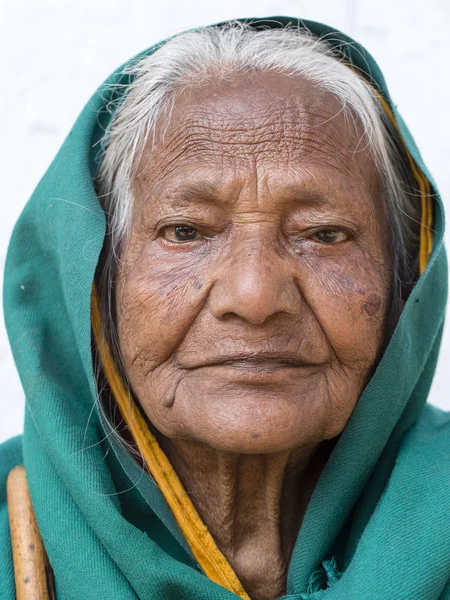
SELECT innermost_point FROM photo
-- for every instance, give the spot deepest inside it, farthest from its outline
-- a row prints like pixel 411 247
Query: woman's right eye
pixel 180 233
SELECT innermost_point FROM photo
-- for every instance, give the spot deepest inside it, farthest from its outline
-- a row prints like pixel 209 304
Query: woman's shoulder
pixel 10 456
pixel 407 537
pixel 430 434
pixel 423 456
pixel 419 485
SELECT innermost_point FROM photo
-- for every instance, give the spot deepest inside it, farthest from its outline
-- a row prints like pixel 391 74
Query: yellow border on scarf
pixel 204 548
pixel 210 558
pixel 426 232
pixel 426 222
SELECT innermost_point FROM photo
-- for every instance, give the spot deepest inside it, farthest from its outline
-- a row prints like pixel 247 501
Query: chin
pixel 255 425
pixel 247 418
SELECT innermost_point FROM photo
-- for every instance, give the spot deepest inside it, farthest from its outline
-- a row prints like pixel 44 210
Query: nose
pixel 255 282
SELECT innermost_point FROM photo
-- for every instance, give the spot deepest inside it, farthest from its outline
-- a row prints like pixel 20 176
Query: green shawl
pixel 378 523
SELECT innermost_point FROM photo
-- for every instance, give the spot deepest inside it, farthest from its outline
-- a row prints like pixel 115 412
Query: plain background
pixel 56 53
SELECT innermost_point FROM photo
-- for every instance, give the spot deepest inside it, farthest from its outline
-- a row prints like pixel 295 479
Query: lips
pixel 254 360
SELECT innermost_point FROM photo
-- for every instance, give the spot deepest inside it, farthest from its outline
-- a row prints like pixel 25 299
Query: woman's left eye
pixel 330 236
pixel 180 233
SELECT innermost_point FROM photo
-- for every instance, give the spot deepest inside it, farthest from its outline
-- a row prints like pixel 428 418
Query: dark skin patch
pixel 373 305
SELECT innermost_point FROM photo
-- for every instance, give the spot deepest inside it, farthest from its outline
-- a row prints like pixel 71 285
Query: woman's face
pixel 252 292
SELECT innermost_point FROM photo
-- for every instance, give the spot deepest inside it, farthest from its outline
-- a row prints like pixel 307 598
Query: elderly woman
pixel 264 249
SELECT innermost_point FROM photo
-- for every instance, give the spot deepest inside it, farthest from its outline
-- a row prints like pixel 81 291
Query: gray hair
pixel 218 52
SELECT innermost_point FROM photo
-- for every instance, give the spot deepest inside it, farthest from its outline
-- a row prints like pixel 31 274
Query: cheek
pixel 158 298
pixel 349 299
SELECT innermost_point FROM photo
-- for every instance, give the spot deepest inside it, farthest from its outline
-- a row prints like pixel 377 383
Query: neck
pixel 253 506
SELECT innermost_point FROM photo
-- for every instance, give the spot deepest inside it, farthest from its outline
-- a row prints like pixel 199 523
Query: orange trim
pixel 426 233
pixel 205 550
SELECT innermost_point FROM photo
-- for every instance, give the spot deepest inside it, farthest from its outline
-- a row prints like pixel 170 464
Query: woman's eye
pixel 180 233
pixel 330 236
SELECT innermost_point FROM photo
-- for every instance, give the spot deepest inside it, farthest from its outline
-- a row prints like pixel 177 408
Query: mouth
pixel 261 367
pixel 259 371
pixel 255 360
pixel 257 363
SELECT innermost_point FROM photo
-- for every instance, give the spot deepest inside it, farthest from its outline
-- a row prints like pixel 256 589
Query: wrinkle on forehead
pixel 268 121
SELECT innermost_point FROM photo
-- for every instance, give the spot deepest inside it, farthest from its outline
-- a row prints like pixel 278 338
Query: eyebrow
pixel 203 192
pixel 297 193
pixel 199 191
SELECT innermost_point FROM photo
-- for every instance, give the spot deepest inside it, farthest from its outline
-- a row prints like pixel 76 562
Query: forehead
pixel 264 123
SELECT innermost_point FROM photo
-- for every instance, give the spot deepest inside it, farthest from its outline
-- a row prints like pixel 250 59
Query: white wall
pixel 56 53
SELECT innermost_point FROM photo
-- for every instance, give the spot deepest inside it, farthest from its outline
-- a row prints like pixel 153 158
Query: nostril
pixel 249 317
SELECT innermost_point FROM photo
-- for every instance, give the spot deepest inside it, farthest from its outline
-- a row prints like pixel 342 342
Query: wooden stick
pixel 32 571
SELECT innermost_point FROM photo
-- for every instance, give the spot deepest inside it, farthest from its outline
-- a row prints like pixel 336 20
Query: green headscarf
pixel 378 523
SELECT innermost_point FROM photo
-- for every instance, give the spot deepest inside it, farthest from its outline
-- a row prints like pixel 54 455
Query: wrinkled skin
pixel 251 301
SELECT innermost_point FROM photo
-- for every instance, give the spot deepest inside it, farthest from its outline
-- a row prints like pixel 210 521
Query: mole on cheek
pixel 372 305
pixel 198 283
